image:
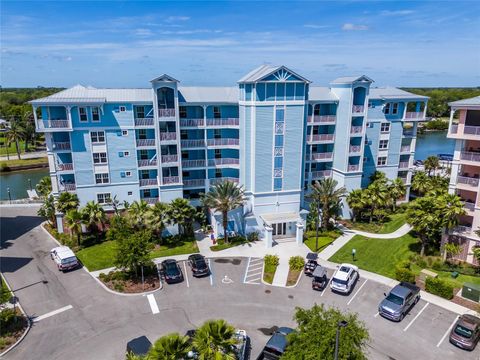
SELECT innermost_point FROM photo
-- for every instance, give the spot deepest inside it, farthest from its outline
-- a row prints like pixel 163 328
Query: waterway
pixel 433 143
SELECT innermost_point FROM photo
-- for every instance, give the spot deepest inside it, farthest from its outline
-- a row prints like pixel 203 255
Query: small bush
pixel 439 287
pixel 437 265
pixel 404 273
pixel 296 263
pixel 4 167
pixel 271 260
pixel 253 236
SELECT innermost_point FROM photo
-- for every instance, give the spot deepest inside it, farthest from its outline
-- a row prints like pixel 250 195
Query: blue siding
pixel 263 148
pixel 292 167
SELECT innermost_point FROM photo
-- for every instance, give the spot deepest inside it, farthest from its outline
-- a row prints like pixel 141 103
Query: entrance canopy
pixel 277 218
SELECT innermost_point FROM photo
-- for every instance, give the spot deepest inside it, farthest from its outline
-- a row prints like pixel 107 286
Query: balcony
pixel 223 161
pixel 223 122
pixel 470 156
pixel 467 180
pixel 468 205
pixel 358 109
pixel 356 130
pixel 168 136
pixel 166 113
pixel 405 149
pixel 414 115
pixel 145 142
pixel 321 138
pixel 145 163
pixel 353 167
pixel 322 119
pixel 404 165
pixel 148 182
pixel 327 156
pixel 222 179
pixel 321 174
pixel 194 163
pixel 150 200
pixel 408 133
pixel 191 122
pixel 192 143
pixel 223 142
pixel 169 158
pixel 194 183
pixel 52 125
pixel 461 129
pixel 64 167
pixel 355 149
pixel 169 180
pixel 61 146
pixel 454 129
pixel 404 180
pixel 144 122
pixel 68 187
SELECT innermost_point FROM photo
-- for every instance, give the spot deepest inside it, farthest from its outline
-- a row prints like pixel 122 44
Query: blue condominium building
pixel 274 133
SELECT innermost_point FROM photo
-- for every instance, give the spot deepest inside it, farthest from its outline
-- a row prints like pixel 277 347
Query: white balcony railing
pixel 321 137
pixel 353 167
pixel 69 187
pixel 355 148
pixel 194 163
pixel 192 143
pixel 169 158
pixel 61 145
pixel 222 179
pixel 148 182
pixel 223 122
pixel 454 129
pixel 144 163
pixel 144 122
pixel 166 113
pixel 408 133
pixel 469 205
pixel 223 161
pixel 470 156
pixel 322 156
pixel 356 130
pixel 414 115
pixel 321 174
pixel 150 200
pixel 168 180
pixel 358 109
pixel 165 136
pixel 322 119
pixel 461 179
pixel 145 142
pixel 403 164
pixel 223 142
pixel 462 229
pixel 471 130
pixel 194 182
pixel 405 148
pixel 64 167
pixel 191 122
pixel 53 124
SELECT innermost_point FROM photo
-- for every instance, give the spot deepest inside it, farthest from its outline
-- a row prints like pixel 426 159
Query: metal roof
pixel 351 79
pixel 475 101
pixel 318 93
pixel 275 218
pixel 393 93
pixel 265 70
pixel 197 94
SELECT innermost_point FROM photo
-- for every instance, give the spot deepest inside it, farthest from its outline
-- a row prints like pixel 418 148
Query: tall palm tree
pixel 215 340
pixel 74 220
pixel 377 196
pixel 67 201
pixel 170 347
pixel 47 210
pixel 15 133
pixel 378 176
pixel 137 214
pixel 421 182
pixel 94 215
pixel 224 197
pixel 431 163
pixel 44 187
pixel 452 208
pixel 180 212
pixel 157 217
pixel 396 190
pixel 327 195
pixel 29 129
pixel 356 202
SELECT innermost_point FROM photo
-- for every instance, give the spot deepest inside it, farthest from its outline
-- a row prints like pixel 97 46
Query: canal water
pixel 433 143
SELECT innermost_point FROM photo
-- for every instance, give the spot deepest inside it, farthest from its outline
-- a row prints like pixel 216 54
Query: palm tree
pixel 396 190
pixel 421 182
pixel 356 202
pixel 215 340
pixel 157 217
pixel 378 176
pixel 44 187
pixel 170 347
pixel 15 133
pixel 137 214
pixel 29 129
pixel 74 221
pixel 180 212
pixel 327 196
pixel 67 201
pixel 224 197
pixel 47 210
pixel 377 196
pixel 94 214
pixel 431 163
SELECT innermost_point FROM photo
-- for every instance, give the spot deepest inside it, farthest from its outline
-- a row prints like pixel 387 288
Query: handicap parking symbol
pixel 227 280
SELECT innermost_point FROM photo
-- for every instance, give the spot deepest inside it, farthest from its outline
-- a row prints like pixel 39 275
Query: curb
pixel 29 322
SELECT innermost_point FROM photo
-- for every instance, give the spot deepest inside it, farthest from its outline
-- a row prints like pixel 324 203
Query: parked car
pixel 171 271
pixel 64 258
pixel 198 265
pixel 311 264
pixel 344 278
pixel 138 346
pixel 466 332
pixel 276 345
pixel 399 301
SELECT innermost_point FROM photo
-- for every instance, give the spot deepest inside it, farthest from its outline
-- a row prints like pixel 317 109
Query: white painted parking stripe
pixel 256 259
pixel 329 281
pixel 360 288
pixel 252 268
pixel 246 270
pixel 186 273
pixel 415 318
pixel 253 281
pixel 376 315
pixel 153 303
pixel 254 274
pixel 51 313
pixel 448 331
pixel 211 272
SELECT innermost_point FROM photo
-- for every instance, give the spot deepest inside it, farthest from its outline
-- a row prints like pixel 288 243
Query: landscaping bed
pixel 393 223
pixel 295 268
pixel 130 283
pixel 12 327
pixel 270 265
pixel 293 276
pixel 232 242
pixel 324 239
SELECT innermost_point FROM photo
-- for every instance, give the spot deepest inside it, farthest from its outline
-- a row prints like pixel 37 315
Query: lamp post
pixel 340 324
pixel 30 184
pixel 9 195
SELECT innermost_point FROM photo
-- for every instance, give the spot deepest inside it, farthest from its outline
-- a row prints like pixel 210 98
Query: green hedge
pixel 296 263
pixel 404 273
pixel 439 287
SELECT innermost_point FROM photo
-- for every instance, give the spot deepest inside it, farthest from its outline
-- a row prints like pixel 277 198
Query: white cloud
pixel 396 12
pixel 354 27
pixel 177 18
pixel 143 32
pixel 315 26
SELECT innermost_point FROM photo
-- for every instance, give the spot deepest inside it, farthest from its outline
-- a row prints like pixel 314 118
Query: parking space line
pixel 360 288
pixel 186 273
pixel 51 313
pixel 326 286
pixel 376 315
pixel 246 270
pixel 254 274
pixel 153 303
pixel 448 331
pixel 415 318
pixel 211 272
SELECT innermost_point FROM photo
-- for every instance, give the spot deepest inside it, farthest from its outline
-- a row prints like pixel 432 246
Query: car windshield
pixel 200 263
pixel 69 260
pixel 339 281
pixel 463 331
pixel 171 267
pixel 344 269
pixel 395 299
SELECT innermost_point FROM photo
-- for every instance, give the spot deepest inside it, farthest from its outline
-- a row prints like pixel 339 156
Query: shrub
pixel 296 263
pixel 253 236
pixel 439 287
pixel 437 265
pixel 404 273
pixel 271 260
pixel 4 167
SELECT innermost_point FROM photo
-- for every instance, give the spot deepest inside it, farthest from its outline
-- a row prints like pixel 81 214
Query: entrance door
pixel 279 229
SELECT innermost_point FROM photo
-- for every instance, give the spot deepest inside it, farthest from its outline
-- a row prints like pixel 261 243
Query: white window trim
pixel 99 157
pixel 380 142
pixel 97 132
pixel 385 131
pixel 102 178
pixel 381 157
pixel 80 116
pixel 124 132
pixel 128 173
pixel 98 112
pixel 394 108
pixel 126 153
pixel 109 196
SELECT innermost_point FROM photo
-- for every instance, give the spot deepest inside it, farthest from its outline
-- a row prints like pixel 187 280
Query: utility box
pixel 471 292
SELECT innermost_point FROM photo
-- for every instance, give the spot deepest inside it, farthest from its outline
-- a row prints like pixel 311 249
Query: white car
pixel 344 278
pixel 64 258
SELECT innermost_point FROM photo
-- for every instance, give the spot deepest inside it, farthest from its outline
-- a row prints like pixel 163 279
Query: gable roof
pixel 164 77
pixel 393 93
pixel 321 93
pixel 475 101
pixel 352 79
pixel 265 70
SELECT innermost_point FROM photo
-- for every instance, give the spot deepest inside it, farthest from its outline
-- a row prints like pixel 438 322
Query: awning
pixel 275 218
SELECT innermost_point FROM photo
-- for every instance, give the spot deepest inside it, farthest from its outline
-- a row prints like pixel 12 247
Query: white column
pixel 405 110
pixel 59 217
pixel 268 236
pixel 299 234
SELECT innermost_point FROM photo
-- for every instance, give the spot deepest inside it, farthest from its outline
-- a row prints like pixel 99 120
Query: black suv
pixel 198 265
pixel 171 272
pixel 276 345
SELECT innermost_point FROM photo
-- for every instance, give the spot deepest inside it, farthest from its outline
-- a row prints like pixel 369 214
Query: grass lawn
pixel 186 247
pixel 269 273
pixel 16 162
pixel 395 222
pixel 231 243
pixel 324 239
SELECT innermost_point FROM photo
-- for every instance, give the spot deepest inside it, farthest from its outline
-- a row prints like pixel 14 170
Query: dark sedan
pixel 171 271
pixel 198 265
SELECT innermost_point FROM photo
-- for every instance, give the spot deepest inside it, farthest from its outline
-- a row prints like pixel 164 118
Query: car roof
pixel 341 274
pixel 169 261
pixel 278 342
pixel 469 321
pixel 196 257
pixel 63 251
pixel 400 290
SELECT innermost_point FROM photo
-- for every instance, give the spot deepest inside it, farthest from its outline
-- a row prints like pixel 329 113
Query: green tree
pixel 395 191
pixel 15 134
pixel 170 347
pixel 138 214
pixel 47 210
pixel 119 229
pixel 74 221
pixel 376 195
pixel 215 340
pixel 133 251
pixel 431 163
pixel 328 196
pixel 357 202
pixel 94 216
pixel 157 218
pixel 44 187
pixel 180 212
pixel 310 343
pixel 67 201
pixel 378 176
pixel 224 197
pixel 421 183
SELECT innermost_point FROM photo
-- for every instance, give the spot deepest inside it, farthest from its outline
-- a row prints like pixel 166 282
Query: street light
pixel 30 183
pixel 9 195
pixel 340 324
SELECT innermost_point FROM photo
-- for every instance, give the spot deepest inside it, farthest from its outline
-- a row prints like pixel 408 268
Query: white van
pixel 64 258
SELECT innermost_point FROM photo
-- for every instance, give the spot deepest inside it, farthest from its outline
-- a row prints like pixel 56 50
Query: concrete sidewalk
pixel 29 155
pixel 281 274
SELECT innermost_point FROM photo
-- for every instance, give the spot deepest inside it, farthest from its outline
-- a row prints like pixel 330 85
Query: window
pixel 278 162
pixel 385 127
pixel 182 110
pixel 280 115
pixel 147 193
pixel 218 154
pixel 217 134
pixel 216 112
pixel 124 174
pixel 277 184
pixel 124 132
pixel 365 159
pixel 128 173
pixel 143 154
pixel 278 140
pixel 82 113
pixel 316 110
pixel 218 173
pixel 383 144
pixel 101 178
pixel 126 153
pixel 130 193
pixel 382 160
pixel 123 108
pixel 395 108
pixel 142 134
pixel 386 109
pixel 97 137
pixel 140 112
pixel 100 158
pixel 104 198
pixel 95 114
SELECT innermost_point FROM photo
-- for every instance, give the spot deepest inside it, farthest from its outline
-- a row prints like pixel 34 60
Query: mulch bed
pixel 14 333
pixel 132 286
pixel 293 277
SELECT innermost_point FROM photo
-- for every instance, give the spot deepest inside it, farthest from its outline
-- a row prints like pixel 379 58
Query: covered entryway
pixel 282 226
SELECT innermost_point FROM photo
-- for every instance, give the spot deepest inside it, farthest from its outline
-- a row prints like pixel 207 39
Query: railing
pixel 322 156
pixel 150 200
pixel 462 229
pixel 144 122
pixel 278 173
pixel 454 129
pixel 191 122
pixel 167 180
pixel 148 182
pixel 222 142
pixel 194 183
pixel 321 137
pixel 403 164
pixel 69 187
pixel 166 113
pixel 223 122
pixel 321 174
pixel 469 205
pixel 413 115
pixel 53 124
pixel 408 133
pixel 405 148
pixel 353 167
pixel 61 146
pixel 223 161
pixel 222 179
pixel 462 179
pixel 355 148
pixel 470 156
pixel 143 163
pixel 356 130
pixel 194 163
pixel 358 108
pixel 169 158
pixel 168 136
pixel 65 167
pixel 322 118
pixel 145 142
pixel 471 130
pixel 192 143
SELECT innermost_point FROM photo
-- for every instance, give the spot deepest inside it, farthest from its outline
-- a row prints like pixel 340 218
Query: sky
pixel 128 43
